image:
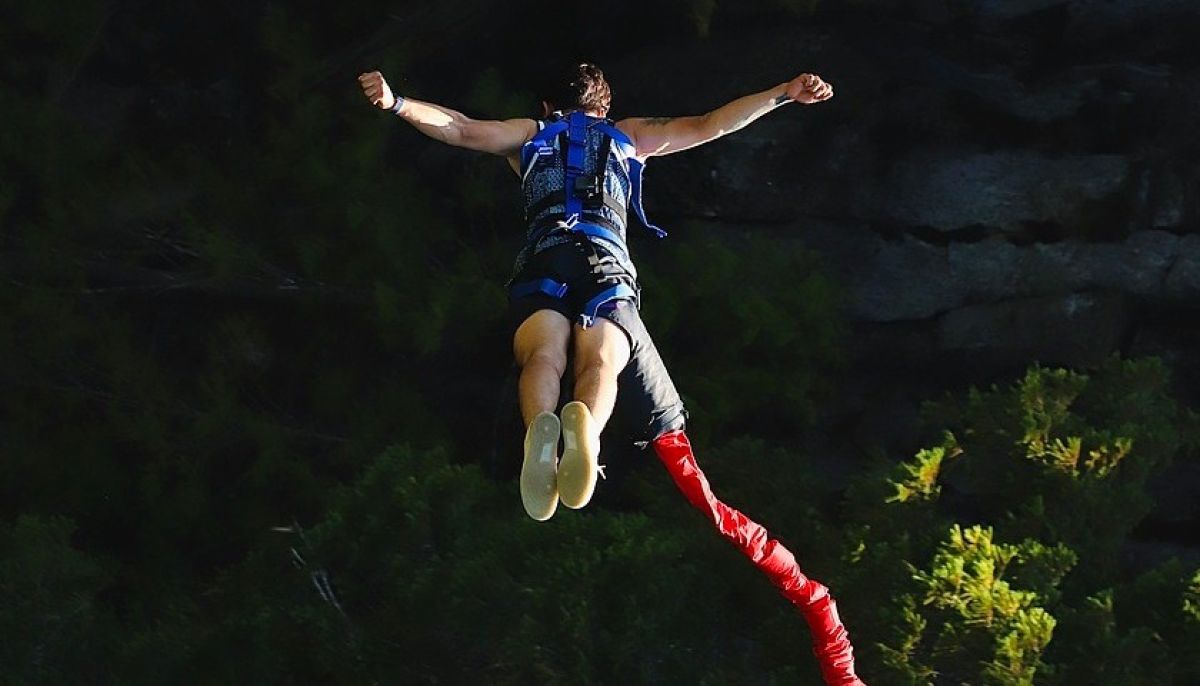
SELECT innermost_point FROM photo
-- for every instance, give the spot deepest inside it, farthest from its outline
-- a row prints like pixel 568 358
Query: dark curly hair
pixel 581 87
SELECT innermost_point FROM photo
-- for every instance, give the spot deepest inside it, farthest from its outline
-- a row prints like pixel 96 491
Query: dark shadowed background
pixel 940 334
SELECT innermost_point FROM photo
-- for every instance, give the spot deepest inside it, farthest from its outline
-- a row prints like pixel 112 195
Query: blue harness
pixel 556 289
pixel 580 190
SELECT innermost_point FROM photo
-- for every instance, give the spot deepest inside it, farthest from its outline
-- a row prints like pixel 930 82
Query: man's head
pixel 580 87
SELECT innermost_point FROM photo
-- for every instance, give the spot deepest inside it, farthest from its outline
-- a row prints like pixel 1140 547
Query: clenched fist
pixel 377 90
pixel 809 88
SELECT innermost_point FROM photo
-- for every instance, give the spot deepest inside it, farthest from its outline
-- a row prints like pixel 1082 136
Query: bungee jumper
pixel 574 289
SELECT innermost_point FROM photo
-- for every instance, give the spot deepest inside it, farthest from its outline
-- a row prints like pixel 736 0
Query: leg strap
pixel 555 289
pixel 592 308
pixel 831 644
pixel 550 287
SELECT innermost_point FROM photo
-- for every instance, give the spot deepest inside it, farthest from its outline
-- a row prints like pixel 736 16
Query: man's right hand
pixel 377 90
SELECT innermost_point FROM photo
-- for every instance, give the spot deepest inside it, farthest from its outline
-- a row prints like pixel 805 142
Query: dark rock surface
pixel 1078 329
pixel 1006 190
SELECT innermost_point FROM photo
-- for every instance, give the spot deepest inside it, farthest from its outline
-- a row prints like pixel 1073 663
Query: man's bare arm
pixel 503 138
pixel 663 136
pixel 444 124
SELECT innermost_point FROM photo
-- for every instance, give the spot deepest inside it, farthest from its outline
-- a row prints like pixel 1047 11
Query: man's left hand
pixel 808 89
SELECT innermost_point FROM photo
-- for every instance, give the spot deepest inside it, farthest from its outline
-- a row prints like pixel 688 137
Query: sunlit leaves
pixel 1191 598
pixel 981 623
pixel 918 478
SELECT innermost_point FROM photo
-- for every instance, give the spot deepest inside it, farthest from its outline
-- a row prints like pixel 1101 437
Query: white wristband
pixel 398 105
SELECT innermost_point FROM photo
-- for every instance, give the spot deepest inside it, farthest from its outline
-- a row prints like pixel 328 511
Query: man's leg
pixel 540 348
pixel 601 352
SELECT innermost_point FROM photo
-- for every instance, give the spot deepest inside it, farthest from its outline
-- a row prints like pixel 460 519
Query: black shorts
pixel 571 264
pixel 647 400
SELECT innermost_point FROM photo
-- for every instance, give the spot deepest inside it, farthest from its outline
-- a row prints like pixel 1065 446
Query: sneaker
pixel 539 481
pixel 581 454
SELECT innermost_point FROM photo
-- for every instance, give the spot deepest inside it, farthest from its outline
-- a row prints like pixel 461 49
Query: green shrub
pixel 978 625
pixel 1058 460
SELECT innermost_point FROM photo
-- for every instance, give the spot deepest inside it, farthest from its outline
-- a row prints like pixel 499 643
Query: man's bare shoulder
pixel 643 130
pixel 500 137
pixel 661 135
pixel 527 128
pixel 631 126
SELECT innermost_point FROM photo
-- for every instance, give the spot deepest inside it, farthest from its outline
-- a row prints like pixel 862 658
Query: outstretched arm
pixel 663 136
pixel 503 138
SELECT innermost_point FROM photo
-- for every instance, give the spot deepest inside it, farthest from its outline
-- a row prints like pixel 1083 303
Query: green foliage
pixel 902 656
pixel 1191 598
pixel 443 579
pixel 231 286
pixel 1042 461
pixel 919 479
pixel 981 624
pixel 52 626
pixel 716 301
pixel 1050 455
pixel 1131 635
pixel 1107 651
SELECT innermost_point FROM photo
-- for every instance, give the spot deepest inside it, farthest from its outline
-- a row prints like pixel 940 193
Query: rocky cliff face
pixel 994 184
pixel 983 166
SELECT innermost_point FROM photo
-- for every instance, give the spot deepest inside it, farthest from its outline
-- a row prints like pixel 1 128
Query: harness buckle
pixel 590 190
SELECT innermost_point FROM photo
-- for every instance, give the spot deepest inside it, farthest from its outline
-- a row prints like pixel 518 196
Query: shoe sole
pixel 539 478
pixel 579 466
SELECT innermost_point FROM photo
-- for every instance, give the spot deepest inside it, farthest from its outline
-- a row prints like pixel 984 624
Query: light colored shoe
pixel 539 480
pixel 581 456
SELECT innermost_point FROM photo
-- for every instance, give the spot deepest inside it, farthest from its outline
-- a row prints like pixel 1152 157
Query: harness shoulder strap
pixel 623 145
pixel 635 196
pixel 635 166
pixel 541 144
pixel 575 159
